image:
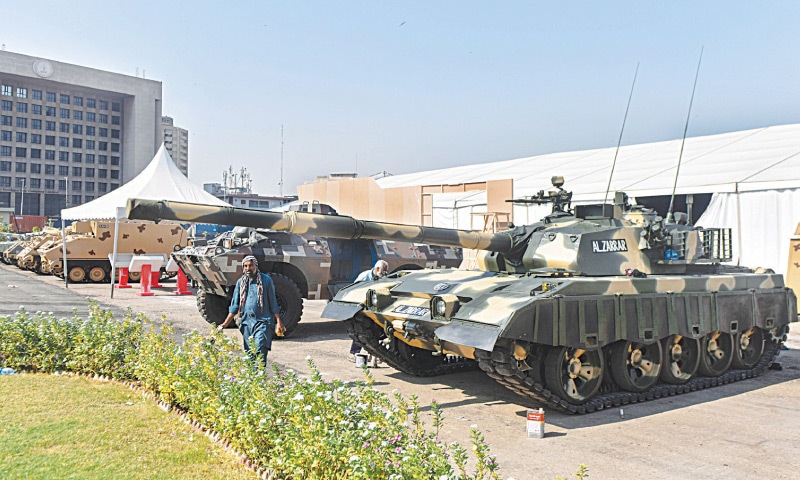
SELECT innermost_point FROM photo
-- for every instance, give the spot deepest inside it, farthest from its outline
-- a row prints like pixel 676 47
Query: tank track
pixel 401 356
pixel 517 381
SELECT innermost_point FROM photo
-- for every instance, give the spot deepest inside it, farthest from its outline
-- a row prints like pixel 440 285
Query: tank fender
pixel 469 334
pixel 340 311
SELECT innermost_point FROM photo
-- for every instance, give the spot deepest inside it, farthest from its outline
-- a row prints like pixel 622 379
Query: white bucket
pixel 361 360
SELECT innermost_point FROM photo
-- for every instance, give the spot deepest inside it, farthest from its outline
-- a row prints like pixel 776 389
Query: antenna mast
pixel 619 142
pixel 683 142
pixel 280 184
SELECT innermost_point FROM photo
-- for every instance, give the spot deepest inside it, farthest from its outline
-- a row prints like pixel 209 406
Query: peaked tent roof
pixel 160 180
pixel 751 160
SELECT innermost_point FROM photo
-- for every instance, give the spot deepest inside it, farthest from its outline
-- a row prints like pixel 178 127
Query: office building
pixel 69 134
pixel 176 141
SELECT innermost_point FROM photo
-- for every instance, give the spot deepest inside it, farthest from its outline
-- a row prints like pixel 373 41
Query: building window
pixel 36 183
pixel 51 97
pixel 36 168
pixel 116 107
pixel 76 171
pixel 114 120
pixel 22 167
pixel 36 94
pixel 77 129
pixel 63 141
pixel 22 107
pixel 76 157
pixel 51 126
pixel 77 115
pixel 102 146
pixel 50 112
pixel 22 122
pixel 77 186
pixel 20 182
pixel 49 184
pixel 49 155
pixel 103 132
pixel 36 139
pixel 36 109
pixel 63 127
pixel 103 105
pixel 63 170
pixel 90 103
pixel 102 159
pixel 115 147
pixel 5 181
pixel 63 156
pixel 89 172
pixel 114 160
pixel 77 101
pixel 62 184
pixel 49 169
pixel 5 166
pixel 5 151
pixel 76 199
pixel 6 120
pixel 63 112
pixel 103 118
pixel 114 186
pixel 89 157
pixel 21 152
pixel 5 135
pixel 101 172
pixel 89 144
pixel 114 133
pixel 102 187
pixel 90 131
pixel 36 124
pixel 6 90
pixel 49 140
pixel 77 143
pixel 89 187
pixel 22 92
pixel 22 137
pixel 115 174
pixel 7 105
pixel 90 116
pixel 63 99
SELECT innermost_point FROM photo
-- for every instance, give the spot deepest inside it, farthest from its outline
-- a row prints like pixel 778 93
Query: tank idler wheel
pixel 635 366
pixel 77 274
pixel 749 346
pixel 574 374
pixel 716 353
pixel 681 359
pixel 97 274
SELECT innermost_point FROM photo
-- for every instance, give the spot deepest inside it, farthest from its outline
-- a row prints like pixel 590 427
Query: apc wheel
pixel 636 366
pixel 573 374
pixel 134 276
pixel 289 299
pixel 681 359
pixel 97 274
pixel 749 346
pixel 213 308
pixel 716 353
pixel 77 274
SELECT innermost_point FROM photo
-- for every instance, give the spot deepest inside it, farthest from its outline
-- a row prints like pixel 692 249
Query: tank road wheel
pixel 97 274
pixel 213 308
pixel 636 366
pixel 716 353
pixel 289 299
pixel 134 276
pixel 77 274
pixel 748 347
pixel 573 374
pixel 681 359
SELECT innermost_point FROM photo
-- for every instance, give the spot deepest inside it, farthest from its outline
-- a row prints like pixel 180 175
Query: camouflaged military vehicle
pixel 302 266
pixel 591 307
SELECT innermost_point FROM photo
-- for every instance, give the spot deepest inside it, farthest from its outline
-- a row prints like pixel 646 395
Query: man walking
pixel 255 304
pixel 378 271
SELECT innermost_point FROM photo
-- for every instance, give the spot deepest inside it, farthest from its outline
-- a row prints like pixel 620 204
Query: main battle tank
pixel 302 266
pixel 591 307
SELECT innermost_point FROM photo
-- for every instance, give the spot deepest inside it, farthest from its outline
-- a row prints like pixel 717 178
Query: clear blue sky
pixel 407 86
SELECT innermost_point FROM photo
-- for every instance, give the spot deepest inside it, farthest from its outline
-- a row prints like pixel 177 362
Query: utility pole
pixel 22 204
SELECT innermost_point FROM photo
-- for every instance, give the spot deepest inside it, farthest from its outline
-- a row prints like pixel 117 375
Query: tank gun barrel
pixel 334 226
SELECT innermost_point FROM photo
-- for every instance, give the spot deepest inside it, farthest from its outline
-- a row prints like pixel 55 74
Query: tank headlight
pixel 444 306
pixel 373 297
pixel 378 299
pixel 440 308
pixel 219 250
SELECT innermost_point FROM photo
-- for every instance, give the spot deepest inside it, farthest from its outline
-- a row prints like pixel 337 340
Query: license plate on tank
pixel 411 310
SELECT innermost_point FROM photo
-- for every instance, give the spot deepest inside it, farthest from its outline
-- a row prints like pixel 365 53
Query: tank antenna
pixel 683 142
pixel 280 190
pixel 619 142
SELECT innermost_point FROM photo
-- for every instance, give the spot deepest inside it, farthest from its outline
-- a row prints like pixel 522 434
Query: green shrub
pixel 296 427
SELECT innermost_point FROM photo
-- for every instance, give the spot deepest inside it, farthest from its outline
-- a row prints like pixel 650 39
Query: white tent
pixel 160 180
pixel 754 176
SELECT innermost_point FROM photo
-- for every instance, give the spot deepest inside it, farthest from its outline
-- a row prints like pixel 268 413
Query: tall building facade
pixel 69 134
pixel 176 141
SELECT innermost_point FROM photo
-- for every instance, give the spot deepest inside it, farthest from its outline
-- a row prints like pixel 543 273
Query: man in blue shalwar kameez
pixel 255 304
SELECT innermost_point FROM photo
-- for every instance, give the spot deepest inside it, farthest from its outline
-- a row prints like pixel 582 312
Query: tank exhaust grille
pixel 717 243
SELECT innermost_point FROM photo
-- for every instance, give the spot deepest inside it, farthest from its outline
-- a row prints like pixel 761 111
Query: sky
pixel 380 87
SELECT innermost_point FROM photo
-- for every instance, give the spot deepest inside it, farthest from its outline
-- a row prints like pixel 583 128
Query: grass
pixel 74 427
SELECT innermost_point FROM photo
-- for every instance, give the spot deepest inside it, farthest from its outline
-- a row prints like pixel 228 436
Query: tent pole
pixel 114 253
pixel 738 227
pixel 64 248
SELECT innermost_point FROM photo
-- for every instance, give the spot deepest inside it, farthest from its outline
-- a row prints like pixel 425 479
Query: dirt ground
pixel 748 429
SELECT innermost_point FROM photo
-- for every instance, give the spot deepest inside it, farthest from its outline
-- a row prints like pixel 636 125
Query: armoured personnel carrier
pixel 591 307
pixel 302 266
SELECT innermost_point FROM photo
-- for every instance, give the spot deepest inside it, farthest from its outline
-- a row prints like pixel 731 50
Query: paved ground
pixel 743 430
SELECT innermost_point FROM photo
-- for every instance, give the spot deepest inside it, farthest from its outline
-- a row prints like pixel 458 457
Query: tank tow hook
pixel 388 329
pixel 521 354
pixel 438 346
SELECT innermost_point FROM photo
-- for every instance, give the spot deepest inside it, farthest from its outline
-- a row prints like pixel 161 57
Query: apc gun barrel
pixel 334 226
